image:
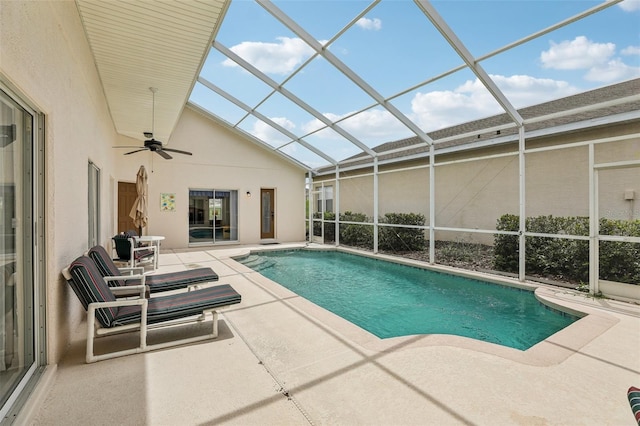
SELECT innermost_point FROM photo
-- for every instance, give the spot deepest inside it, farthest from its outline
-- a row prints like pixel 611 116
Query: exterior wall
pixel 45 56
pixel 474 194
pixel 222 159
pixel 405 192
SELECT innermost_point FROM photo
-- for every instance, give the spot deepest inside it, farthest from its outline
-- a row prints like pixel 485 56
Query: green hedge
pixel 353 234
pixel 569 259
pixel 391 238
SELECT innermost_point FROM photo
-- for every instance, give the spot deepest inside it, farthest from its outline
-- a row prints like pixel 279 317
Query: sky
pixel 390 52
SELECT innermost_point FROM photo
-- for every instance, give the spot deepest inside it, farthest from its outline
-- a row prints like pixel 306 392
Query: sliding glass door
pixel 20 249
pixel 213 216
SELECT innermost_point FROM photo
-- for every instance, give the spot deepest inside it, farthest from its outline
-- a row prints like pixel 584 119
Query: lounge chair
pixel 155 282
pixel 126 314
pixel 633 394
pixel 131 253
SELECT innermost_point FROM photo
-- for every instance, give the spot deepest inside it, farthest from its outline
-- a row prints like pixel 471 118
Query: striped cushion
pixel 180 279
pixel 87 283
pixel 180 305
pixel 634 400
pixel 142 254
pixel 104 263
pixel 158 282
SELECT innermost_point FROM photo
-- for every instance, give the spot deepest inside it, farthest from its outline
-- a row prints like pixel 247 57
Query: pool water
pixel 390 300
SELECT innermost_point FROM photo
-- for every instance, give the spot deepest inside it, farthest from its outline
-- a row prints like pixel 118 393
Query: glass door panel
pixel 17 340
pixel 267 213
pixel 202 219
pixel 213 216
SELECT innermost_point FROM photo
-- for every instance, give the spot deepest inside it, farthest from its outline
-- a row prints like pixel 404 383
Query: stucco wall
pixel 474 194
pixel 221 159
pixel 45 56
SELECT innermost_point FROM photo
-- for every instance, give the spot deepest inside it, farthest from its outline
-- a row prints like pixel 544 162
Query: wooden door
pixel 127 195
pixel 267 213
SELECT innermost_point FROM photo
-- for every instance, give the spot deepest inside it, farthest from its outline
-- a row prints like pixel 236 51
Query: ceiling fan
pixel 152 144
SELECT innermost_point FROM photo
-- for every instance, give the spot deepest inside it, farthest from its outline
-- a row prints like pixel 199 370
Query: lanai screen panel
pixel 618 187
pixel 557 182
pixel 618 197
pixel 475 194
pixel 356 196
pixel 404 192
pixel 380 71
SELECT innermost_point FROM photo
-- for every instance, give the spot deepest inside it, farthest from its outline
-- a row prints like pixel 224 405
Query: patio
pixel 282 360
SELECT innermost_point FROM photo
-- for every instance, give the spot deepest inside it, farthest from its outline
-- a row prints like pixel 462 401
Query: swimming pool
pixel 389 300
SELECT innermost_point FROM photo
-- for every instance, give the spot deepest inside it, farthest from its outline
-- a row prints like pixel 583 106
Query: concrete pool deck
pixel 280 360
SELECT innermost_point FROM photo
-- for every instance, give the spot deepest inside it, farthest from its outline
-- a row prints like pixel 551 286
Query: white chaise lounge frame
pixel 94 329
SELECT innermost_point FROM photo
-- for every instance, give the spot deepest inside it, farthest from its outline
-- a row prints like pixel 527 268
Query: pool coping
pixel 553 350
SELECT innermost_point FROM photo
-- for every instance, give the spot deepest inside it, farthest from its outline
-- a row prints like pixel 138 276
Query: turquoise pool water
pixel 390 300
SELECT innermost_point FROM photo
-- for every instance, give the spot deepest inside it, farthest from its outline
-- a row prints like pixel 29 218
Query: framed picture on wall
pixel 167 202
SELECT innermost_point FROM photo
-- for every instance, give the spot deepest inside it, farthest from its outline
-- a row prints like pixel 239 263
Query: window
pixel 325 198
pixel 94 204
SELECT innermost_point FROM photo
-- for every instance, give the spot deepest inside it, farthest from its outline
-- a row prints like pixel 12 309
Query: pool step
pixel 258 263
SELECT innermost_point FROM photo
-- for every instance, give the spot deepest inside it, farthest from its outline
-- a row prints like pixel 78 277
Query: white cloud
pixel 612 71
pixel 470 101
pixel 265 132
pixel 580 53
pixel 630 5
pixel 374 24
pixel 313 125
pixel 525 90
pixel 371 127
pixel 439 109
pixel 598 59
pixel 276 58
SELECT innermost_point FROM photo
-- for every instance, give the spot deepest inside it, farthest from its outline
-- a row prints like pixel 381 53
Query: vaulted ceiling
pixel 142 44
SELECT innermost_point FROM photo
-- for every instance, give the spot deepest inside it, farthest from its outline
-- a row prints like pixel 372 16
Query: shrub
pixel 506 248
pixel 568 258
pixel 620 261
pixel 353 234
pixel 401 239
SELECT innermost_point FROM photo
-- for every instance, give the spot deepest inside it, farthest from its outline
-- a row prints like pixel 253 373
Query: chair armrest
pixel 117 303
pixel 137 270
pixel 91 313
pixel 130 289
pixel 141 277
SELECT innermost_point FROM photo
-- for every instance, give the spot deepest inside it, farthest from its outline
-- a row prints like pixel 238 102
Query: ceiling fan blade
pixel 127 146
pixel 164 154
pixel 133 152
pixel 177 151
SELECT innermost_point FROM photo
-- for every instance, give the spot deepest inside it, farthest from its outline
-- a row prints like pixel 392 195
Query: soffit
pixel 142 44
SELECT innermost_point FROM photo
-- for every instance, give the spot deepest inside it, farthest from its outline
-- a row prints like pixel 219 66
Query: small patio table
pixel 153 240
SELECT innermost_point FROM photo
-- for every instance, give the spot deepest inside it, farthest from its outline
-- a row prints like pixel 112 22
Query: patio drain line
pixel 281 389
